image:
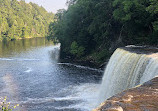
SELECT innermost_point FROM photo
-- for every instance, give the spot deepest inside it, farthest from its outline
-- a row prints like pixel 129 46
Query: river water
pixel 31 75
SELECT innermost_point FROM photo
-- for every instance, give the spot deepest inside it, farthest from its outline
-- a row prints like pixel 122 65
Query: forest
pixel 19 19
pixel 93 29
pixel 88 30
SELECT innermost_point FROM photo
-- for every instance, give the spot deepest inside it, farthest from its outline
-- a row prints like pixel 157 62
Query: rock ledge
pixel 140 98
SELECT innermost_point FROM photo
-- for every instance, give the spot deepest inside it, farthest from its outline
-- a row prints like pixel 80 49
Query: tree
pixel 103 25
pixel 19 19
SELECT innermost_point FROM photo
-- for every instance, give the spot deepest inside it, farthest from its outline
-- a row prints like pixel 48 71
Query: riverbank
pixel 3 39
pixel 100 59
pixel 88 61
pixel 96 59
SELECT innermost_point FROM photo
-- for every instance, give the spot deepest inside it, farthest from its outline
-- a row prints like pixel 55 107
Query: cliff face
pixel 140 98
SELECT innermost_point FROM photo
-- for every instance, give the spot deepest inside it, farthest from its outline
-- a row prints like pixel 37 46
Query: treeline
pixel 21 20
pixel 96 27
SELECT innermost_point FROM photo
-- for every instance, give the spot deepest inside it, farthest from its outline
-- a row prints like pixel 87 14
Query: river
pixel 32 75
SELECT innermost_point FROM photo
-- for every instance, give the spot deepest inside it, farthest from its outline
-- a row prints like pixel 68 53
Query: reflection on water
pixel 8 48
pixel 31 76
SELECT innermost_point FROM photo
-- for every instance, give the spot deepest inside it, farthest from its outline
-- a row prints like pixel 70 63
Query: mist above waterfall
pixel 127 68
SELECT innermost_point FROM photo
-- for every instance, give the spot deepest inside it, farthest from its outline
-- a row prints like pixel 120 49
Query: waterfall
pixel 126 69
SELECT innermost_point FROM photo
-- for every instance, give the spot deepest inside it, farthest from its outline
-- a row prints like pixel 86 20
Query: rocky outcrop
pixel 141 98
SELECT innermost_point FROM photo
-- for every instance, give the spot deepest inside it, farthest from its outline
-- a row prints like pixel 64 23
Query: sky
pixel 50 5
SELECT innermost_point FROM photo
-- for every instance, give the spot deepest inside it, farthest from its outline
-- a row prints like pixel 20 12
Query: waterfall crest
pixel 126 69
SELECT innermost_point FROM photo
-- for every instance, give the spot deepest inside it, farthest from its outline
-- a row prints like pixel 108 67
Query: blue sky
pixel 50 5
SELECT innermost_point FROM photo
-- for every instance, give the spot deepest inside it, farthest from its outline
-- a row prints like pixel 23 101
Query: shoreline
pixel 29 38
pixel 86 63
pixel 19 38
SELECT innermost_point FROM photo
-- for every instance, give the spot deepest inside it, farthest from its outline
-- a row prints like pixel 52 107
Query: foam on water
pixel 79 66
pixel 18 59
pixel 6 59
pixel 125 70
pixel 85 94
pixel 28 70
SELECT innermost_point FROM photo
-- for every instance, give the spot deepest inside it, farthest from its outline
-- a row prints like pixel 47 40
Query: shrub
pixel 5 106
pixel 76 50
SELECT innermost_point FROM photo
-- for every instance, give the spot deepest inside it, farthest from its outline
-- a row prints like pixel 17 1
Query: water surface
pixel 32 76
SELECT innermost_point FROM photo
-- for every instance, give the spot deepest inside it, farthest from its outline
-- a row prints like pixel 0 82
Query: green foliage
pixel 76 50
pixel 100 56
pixel 139 20
pixel 105 24
pixel 153 7
pixel 84 22
pixel 19 20
pixel 80 51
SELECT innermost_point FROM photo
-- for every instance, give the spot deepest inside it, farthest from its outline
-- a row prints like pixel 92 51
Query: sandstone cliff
pixel 140 98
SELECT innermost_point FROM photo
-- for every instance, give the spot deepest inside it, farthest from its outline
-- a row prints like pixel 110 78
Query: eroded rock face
pixel 140 98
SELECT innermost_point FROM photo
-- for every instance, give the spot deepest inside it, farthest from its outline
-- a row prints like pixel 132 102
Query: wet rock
pixel 115 108
pixel 141 98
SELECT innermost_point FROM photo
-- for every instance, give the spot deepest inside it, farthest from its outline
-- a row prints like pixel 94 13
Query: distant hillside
pixel 22 20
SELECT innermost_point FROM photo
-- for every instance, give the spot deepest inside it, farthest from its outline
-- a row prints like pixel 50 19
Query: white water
pixel 81 67
pixel 85 93
pixel 126 70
